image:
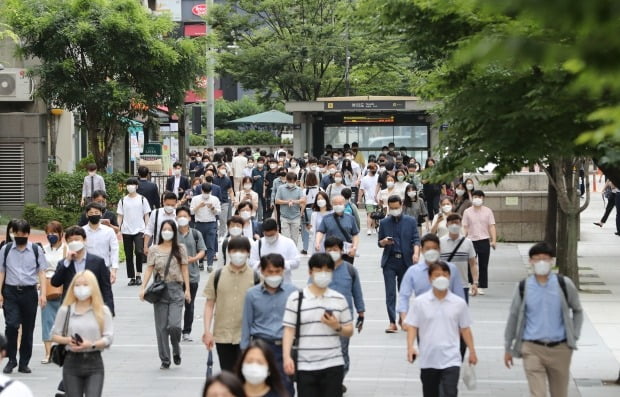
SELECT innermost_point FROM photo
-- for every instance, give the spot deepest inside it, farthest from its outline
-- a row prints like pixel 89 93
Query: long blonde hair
pixel 96 300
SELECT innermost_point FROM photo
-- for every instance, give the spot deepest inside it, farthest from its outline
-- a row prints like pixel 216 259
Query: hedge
pixel 39 217
pixel 250 138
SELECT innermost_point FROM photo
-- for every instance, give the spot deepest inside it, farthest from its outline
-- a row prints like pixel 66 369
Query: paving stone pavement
pixel 378 364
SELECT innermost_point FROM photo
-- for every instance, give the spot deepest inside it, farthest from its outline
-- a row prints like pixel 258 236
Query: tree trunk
pixel 551 223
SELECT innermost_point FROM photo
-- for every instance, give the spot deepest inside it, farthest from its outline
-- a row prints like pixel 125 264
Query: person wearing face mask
pixel 399 238
pixel 133 215
pixel 274 242
pixel 290 199
pixel 258 370
pixel 55 251
pixel 346 280
pixel 390 190
pixel 401 182
pixel 157 218
pixel 263 311
pixel 279 181
pixel 415 207
pixel 108 218
pixel 251 227
pixel 440 318
pixel 320 209
pixel 544 325
pixel 461 199
pixel 102 239
pixel 90 320
pixel 326 317
pixel 226 196
pixel 439 225
pixel 195 247
pixel 177 183
pixel 342 226
pixel 92 182
pixel 235 229
pixel 311 190
pixel 238 164
pixel 249 167
pixel 368 189
pixel 9 234
pixel 225 293
pixel 328 179
pixel 469 188
pixel 459 250
pixel 335 189
pixel 168 261
pixel 258 186
pixel 479 226
pixel 270 178
pixel 205 208
pixel 432 192
pixel 416 282
pixel 22 266
pixel 148 189
pixel 246 194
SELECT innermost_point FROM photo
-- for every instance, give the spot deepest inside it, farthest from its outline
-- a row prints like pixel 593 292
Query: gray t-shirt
pixel 286 193
pixel 194 243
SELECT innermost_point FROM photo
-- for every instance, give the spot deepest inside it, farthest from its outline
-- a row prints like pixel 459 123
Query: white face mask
pixel 82 292
pixel 169 209
pixel 183 221
pixel 273 166
pixel 322 279
pixel 336 255
pixel 338 179
pixel 290 185
pixel 255 374
pixel 245 215
pixel 339 209
pixel 381 169
pixel 235 231
pixel 400 178
pixel 431 256
pixel 446 209
pixel 412 194
pixel 332 171
pixel 396 211
pixel 247 186
pixel 477 202
pixel 238 258
pixel 75 246
pixel 177 172
pixel 454 229
pixel 460 192
pixel 321 203
pixel 542 268
pixel 390 184
pixel 470 186
pixel 293 165
pixel 273 281
pixel 131 188
pixel 167 235
pixel 271 239
pixel 313 167
pixel 222 171
pixel 441 283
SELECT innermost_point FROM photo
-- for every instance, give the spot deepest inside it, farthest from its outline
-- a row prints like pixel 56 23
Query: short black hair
pixel 183 209
pixel 441 265
pixel 143 171
pixel 321 259
pixel 93 205
pixel 177 164
pixel 244 204
pixel 132 181
pixel 20 226
pixel 453 217
pixel 239 243
pixel 75 231
pixel 206 187
pixel 542 248
pixel 99 193
pixel 169 196
pixel 333 241
pixel 291 176
pixel 269 225
pixel 229 380
pixel 276 260
pixel 395 198
pixel 346 193
pixel 429 237
pixel 478 193
pixel 235 219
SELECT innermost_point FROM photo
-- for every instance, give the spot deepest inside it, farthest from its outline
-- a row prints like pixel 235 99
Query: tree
pixel 108 59
pixel 300 49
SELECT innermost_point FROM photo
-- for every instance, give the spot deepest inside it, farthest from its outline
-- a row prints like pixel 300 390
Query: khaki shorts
pixel 370 208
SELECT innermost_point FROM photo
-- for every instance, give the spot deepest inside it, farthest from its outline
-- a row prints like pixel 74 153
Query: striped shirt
pixel 461 257
pixel 319 344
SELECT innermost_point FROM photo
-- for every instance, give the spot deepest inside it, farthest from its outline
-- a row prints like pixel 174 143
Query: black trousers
pixel 440 382
pixel 188 316
pixel 348 258
pixel 20 308
pixel 611 203
pixel 133 243
pixel 322 382
pixel 483 251
pixel 228 355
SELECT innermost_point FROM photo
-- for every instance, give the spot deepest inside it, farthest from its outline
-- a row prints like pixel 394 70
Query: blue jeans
pixel 209 235
pixel 277 355
pixel 344 346
pixel 393 273
pixel 305 237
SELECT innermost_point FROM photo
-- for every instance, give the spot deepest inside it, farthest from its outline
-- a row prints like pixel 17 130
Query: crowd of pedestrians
pixel 247 219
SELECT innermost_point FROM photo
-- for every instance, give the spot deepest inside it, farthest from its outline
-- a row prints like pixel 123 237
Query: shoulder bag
pixel 58 352
pixel 295 347
pixel 155 291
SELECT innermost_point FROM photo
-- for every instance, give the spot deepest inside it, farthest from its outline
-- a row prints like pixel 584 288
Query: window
pixel 12 174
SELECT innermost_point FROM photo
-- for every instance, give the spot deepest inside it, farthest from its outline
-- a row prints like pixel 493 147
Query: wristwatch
pixel 93 346
pixel 339 328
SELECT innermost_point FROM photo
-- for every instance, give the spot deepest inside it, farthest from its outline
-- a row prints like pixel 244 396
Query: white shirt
pixel 151 229
pixel 133 210
pixel 439 323
pixel 102 242
pixel 461 258
pixel 238 165
pixel 53 256
pixel 204 213
pixel 15 389
pixel 247 231
pixel 369 186
pixel 177 182
pixel 283 246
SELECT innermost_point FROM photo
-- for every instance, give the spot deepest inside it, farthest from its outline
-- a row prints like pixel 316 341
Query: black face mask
pixel 94 219
pixel 21 240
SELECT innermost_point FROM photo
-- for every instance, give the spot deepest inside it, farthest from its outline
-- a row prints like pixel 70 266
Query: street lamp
pixel 210 81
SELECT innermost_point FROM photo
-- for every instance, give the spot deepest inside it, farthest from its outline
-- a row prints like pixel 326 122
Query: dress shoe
pixel 138 281
pixel 164 366
pixel 24 370
pixel 9 367
pixel 131 282
pixel 177 359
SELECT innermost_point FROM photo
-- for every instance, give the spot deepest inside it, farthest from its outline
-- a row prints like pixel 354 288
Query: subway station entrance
pixel 372 122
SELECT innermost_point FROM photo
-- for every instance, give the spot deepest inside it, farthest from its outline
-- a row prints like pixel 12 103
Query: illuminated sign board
pixel 364 105
pixel 368 119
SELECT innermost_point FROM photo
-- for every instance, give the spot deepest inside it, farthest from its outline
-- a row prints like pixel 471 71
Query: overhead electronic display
pixel 361 119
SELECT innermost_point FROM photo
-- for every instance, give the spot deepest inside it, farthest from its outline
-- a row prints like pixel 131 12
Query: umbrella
pixel 269 117
pixel 210 365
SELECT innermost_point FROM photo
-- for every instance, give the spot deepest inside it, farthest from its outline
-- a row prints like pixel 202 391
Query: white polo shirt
pixel 439 323
pixel 204 213
pixel 461 258
pixel 102 242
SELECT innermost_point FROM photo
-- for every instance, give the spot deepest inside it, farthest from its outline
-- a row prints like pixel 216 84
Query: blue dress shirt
pixel 21 268
pixel 351 289
pixel 543 310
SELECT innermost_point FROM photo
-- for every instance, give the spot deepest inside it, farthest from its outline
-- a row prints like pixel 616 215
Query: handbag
pixel 51 292
pixel 58 352
pixel 155 291
pixel 377 215
pixel 295 347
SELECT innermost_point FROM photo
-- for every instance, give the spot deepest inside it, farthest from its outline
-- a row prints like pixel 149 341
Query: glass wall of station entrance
pixel 374 131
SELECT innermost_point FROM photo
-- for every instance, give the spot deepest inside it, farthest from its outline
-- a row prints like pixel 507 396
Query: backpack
pixel 561 281
pixel 218 273
pixel 9 245
pixel 122 204
pixel 6 385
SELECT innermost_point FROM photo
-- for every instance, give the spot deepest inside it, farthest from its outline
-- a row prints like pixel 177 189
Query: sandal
pixel 45 361
pixel 392 329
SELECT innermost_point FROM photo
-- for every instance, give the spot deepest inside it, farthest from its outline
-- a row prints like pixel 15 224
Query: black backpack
pixel 36 251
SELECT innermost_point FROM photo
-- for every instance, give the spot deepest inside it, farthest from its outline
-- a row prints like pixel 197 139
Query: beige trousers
pixel 543 363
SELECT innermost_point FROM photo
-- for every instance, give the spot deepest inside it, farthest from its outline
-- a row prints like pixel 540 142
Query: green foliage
pixel 39 217
pixel 226 111
pixel 252 138
pixel 102 58
pixel 197 140
pixel 83 163
pixel 64 190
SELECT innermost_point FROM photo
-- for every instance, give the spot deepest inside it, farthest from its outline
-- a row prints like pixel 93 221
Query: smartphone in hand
pixel 78 339
pixel 329 312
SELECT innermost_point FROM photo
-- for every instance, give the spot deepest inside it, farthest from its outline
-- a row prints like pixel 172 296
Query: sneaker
pixel 177 359
pixel 201 266
pixel 132 281
pixel 304 252
pixel 186 338
pixel 599 224
pixel 481 291
pixel 164 366
pixel 209 268
pixel 138 281
pixel 369 232
pixel 344 389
